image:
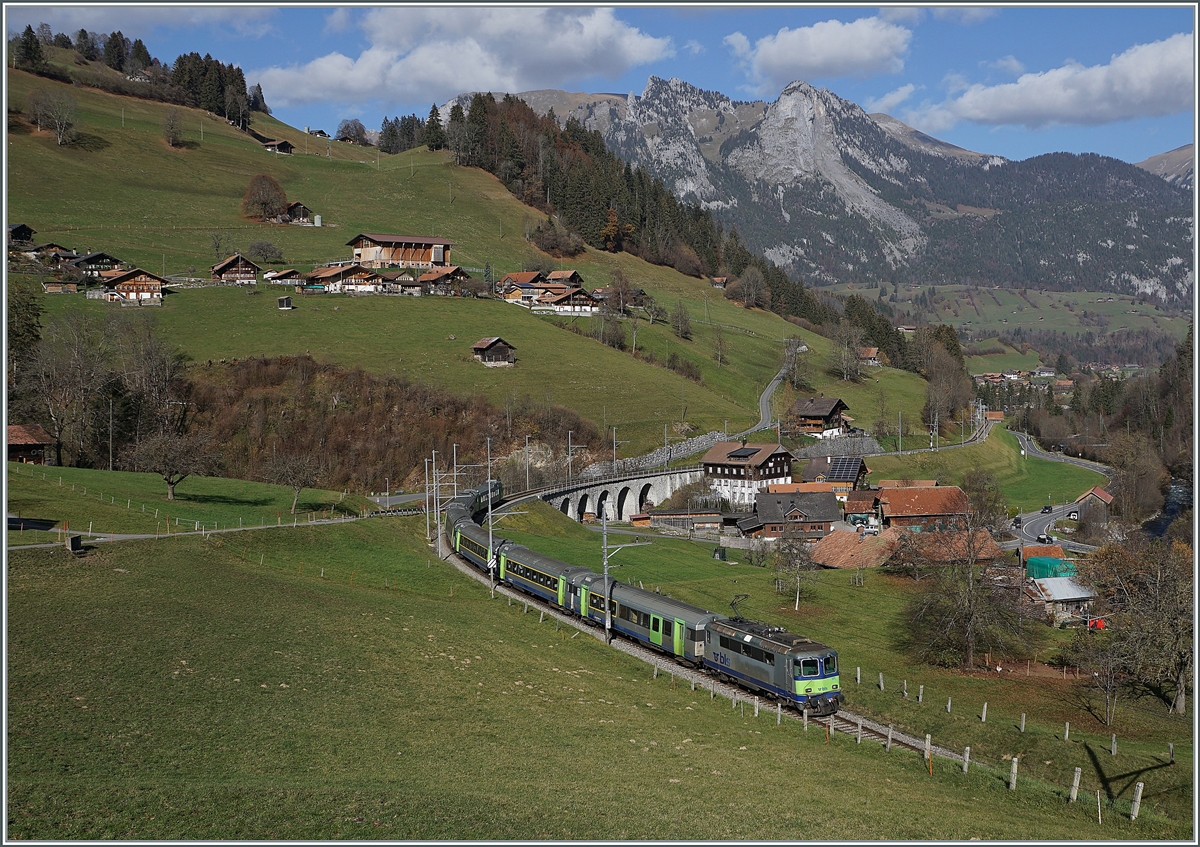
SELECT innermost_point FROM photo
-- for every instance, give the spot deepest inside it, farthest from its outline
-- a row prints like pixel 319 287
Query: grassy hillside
pixel 124 191
pixel 350 687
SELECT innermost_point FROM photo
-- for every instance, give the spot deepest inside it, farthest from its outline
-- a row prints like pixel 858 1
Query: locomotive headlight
pixel 808 691
pixel 835 686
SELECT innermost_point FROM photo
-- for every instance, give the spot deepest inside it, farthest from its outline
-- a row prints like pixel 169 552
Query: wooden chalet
pixel 27 443
pixel 20 234
pixel 51 254
pixel 287 276
pixel 493 351
pixel 571 279
pixel 444 280
pixel 280 146
pixel 738 471
pixel 574 301
pixel 809 516
pixel 395 251
pixel 94 264
pixel 1094 504
pixel 819 416
pixel 520 278
pixel 135 286
pixel 869 356
pixel 346 279
pixel 940 508
pixel 236 270
pixel 400 282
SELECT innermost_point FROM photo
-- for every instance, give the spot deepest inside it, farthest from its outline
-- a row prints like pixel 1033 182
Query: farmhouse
pixel 28 444
pixel 400 282
pixel 287 276
pixel 845 473
pixel 571 279
pixel 298 213
pixel 280 146
pixel 444 280
pixel 95 264
pixel 135 286
pixel 20 234
pixel 346 279
pixel 738 471
pixel 930 509
pixel 51 253
pixel 869 356
pixel 575 301
pixel 236 270
pixel 809 516
pixel 819 416
pixel 394 251
pixel 493 351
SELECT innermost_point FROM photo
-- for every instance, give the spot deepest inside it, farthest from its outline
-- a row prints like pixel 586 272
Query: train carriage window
pixel 691 634
pixel 830 665
pixel 654 625
pixel 809 667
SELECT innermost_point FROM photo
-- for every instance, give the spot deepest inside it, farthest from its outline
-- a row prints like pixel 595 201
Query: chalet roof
pixel 285 273
pixel 398 239
pixel 485 343
pixel 50 247
pixel 556 276
pixel 340 272
pixel 868 352
pixel 88 258
pixel 813 506
pixel 748 455
pixel 820 407
pixel 859 501
pixel 448 272
pixel 937 547
pixel 918 502
pixel 1097 492
pixel 522 277
pixel 994 416
pixel 235 259
pixel 907 483
pixel 398 276
pixel 119 277
pixel 842 549
pixel 568 294
pixel 30 434
pixel 834 469
pixel 798 487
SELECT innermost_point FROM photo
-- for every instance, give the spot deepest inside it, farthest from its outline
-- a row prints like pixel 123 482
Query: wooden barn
pixel 28 444
pixel 493 351
pixel 395 251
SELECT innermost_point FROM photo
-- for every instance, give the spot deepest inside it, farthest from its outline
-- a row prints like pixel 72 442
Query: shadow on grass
pixel 222 500
pixel 90 143
pixel 40 524
pixel 17 126
pixel 1117 784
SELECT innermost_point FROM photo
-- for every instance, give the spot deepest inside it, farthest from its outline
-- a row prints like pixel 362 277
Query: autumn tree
pixel 264 198
pixel 752 288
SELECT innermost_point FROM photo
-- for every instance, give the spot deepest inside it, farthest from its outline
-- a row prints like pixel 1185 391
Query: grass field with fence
pixel 340 682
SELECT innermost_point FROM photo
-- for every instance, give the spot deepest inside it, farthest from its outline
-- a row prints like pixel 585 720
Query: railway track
pixel 844 723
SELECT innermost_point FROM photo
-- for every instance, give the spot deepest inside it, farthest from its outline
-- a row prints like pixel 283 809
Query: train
pixel 761 658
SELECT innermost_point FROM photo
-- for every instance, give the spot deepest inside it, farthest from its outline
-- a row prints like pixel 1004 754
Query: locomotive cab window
pixel 809 667
pixel 830 665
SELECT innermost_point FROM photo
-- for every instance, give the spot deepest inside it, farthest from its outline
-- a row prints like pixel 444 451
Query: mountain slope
pixel 1175 166
pixel 834 194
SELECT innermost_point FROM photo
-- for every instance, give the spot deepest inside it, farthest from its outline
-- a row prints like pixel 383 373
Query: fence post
pixel 920 693
pixel 966 759
pixel 1114 744
pixel 655 667
pixel 858 676
pixel 928 747
pixel 1171 752
pixel 906 689
pixel 1137 801
pixel 1022 722
pixel 1075 784
pixel 983 717
pixel 778 713
pixel 1012 776
pixel 1067 731
pixel 756 707
pixel 805 710
pixel 948 699
pixel 881 680
pixel 858 738
pixel 832 729
pixel 888 746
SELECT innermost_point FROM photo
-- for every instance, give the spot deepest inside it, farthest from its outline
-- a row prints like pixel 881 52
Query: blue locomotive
pixel 759 657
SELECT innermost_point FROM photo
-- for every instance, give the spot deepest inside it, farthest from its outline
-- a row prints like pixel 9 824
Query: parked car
pixel 1017 522
pixel 1045 539
pixel 1073 516
pixel 1047 510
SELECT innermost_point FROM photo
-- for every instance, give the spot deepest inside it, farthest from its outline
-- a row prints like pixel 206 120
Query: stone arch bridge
pixel 619 497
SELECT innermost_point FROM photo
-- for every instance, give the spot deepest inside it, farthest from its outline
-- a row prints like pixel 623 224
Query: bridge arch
pixel 602 504
pixel 622 497
pixel 644 497
pixel 566 506
pixel 582 509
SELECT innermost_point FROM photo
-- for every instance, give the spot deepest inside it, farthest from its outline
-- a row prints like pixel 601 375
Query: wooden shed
pixel 493 351
pixel 28 444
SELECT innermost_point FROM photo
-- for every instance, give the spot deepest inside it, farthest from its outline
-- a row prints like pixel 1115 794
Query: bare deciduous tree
pixel 172 127
pixel 794 564
pixel 57 110
pixel 719 345
pixel 296 471
pixel 681 321
pixel 174 457
pixel 847 339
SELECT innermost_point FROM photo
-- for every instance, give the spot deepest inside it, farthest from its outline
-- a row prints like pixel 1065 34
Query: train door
pixel 677 638
pixel 562 592
pixel 656 630
pixel 503 559
pixel 584 593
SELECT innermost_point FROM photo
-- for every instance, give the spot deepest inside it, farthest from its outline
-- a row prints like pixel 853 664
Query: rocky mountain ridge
pixel 831 193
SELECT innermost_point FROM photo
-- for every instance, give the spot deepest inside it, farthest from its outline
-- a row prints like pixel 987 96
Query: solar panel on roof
pixel 743 453
pixel 843 468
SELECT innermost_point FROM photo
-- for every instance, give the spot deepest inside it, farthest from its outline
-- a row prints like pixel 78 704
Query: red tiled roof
pixel 484 343
pixel 994 416
pixel 912 502
pixel 399 239
pixel 525 277
pixel 1053 550
pixel 950 546
pixel 1098 492
pixel 907 483
pixel 28 434
pixel 799 487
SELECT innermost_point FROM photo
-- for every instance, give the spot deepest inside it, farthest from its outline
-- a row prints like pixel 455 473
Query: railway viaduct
pixel 620 496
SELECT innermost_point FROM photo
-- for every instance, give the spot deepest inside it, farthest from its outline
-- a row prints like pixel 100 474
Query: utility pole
pixel 454 474
pixel 526 462
pixel 426 498
pixel 568 455
pixel 491 548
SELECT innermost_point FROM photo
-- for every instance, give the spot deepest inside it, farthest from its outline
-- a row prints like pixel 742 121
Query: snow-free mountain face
pixel 1175 166
pixel 831 193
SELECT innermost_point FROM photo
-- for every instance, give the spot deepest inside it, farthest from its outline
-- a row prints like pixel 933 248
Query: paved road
pixel 764 405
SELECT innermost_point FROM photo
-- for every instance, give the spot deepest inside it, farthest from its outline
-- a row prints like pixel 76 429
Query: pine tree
pixel 434 137
pixel 114 51
pixel 29 51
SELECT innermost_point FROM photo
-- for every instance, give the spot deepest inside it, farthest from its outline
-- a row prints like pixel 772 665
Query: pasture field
pixel 353 687
pixel 865 624
pixel 986 312
pixel 1024 481
pixel 1010 359
pixel 125 192
pixel 120 502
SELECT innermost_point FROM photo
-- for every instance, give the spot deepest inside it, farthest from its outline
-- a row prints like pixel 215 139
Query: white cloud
pixel 1008 64
pixel 694 47
pixel 890 100
pixel 136 21
pixel 965 15
pixel 862 48
pixel 738 43
pixel 338 20
pixel 902 14
pixel 1147 80
pixel 435 53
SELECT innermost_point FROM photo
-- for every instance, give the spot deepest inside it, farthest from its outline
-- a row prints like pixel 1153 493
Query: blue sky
pixel 1015 81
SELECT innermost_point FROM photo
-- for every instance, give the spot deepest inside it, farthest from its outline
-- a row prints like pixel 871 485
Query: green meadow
pixel 340 682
